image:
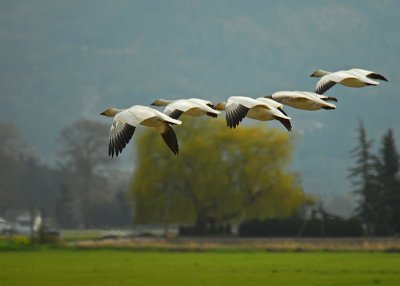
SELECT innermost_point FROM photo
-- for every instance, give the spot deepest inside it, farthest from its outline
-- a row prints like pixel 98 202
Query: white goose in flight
pixel 350 78
pixel 126 120
pixel 239 107
pixel 191 107
pixel 303 100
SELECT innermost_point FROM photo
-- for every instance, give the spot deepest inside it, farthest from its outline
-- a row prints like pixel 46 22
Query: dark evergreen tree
pixel 363 177
pixel 387 167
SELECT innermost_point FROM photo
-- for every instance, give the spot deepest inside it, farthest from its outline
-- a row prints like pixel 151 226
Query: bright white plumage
pixel 126 120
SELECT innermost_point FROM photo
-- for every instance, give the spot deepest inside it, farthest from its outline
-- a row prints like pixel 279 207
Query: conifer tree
pixel 363 177
pixel 387 168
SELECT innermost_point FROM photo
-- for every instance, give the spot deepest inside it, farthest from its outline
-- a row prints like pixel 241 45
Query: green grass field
pixel 122 267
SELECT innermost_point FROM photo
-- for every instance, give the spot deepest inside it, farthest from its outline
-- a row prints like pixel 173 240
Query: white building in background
pixel 24 222
pixel 4 226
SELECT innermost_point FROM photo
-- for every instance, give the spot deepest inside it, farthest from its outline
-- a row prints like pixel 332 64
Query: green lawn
pixel 118 267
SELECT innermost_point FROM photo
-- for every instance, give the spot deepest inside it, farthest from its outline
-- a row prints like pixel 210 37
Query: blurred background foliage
pixel 220 176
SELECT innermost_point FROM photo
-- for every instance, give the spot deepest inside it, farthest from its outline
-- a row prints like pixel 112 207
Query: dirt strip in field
pixel 270 244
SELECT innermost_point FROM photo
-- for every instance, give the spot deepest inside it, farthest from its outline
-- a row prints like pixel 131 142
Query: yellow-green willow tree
pixel 220 175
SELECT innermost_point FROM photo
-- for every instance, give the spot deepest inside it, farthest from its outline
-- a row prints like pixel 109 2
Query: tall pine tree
pixel 387 167
pixel 363 178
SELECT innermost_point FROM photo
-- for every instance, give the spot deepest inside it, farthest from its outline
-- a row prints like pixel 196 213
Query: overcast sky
pixel 64 60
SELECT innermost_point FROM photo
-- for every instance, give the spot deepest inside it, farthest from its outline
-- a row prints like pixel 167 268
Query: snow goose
pixel 350 78
pixel 191 107
pixel 239 107
pixel 303 100
pixel 126 120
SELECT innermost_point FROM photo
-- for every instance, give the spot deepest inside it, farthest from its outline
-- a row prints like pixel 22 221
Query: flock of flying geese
pixel 236 108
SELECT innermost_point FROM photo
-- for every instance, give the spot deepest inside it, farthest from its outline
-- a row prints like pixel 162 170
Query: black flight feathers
pixel 120 134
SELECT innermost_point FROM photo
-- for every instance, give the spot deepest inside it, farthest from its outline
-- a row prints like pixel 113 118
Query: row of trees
pixel 220 176
pixel 83 190
pixel 376 182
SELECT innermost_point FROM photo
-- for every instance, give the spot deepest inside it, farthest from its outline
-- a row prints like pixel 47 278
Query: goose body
pixel 350 78
pixel 239 107
pixel 191 107
pixel 126 120
pixel 202 101
pixel 271 102
pixel 303 100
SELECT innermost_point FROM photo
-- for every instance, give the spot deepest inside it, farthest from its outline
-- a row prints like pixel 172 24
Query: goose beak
pixel 103 113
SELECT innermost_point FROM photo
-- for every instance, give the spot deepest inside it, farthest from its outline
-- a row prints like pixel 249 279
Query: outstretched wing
pixel 374 75
pixel 282 111
pixel 177 108
pixel 328 98
pixel 285 122
pixel 169 136
pixel 234 113
pixel 323 85
pixel 368 74
pixel 120 135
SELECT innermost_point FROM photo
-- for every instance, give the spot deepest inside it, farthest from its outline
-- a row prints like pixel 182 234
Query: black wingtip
pixel 285 122
pixel 330 98
pixel 377 76
pixel 170 139
pixel 282 111
pixel 229 121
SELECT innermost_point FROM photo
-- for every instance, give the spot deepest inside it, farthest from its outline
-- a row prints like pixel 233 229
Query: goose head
pixel 220 106
pixel 319 73
pixel 110 112
pixel 161 102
